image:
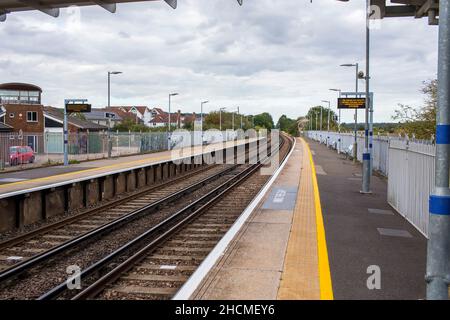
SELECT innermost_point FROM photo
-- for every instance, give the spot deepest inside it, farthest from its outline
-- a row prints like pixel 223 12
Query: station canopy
pixel 405 8
pixel 51 7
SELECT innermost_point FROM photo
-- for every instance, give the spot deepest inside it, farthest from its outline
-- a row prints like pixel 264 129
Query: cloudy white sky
pixel 279 56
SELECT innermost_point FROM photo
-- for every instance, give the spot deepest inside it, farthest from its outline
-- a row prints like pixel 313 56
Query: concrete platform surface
pixel 326 243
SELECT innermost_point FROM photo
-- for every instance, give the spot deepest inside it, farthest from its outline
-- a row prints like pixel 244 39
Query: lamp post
pixel 201 117
pixel 317 117
pixel 321 111
pixel 355 141
pixel 328 121
pixel 109 105
pixel 367 171
pixel 232 120
pixel 220 118
pixel 339 121
pixel 169 137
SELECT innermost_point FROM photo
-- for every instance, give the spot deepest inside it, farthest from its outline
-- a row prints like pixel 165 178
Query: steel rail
pixel 110 204
pixel 40 258
pixel 99 285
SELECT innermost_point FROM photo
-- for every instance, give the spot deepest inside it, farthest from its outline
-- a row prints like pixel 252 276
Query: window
pixel 11 115
pixel 32 116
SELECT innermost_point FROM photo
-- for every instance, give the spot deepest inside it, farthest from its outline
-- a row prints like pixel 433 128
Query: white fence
pixel 48 146
pixel 408 164
pixel 411 180
pixel 380 146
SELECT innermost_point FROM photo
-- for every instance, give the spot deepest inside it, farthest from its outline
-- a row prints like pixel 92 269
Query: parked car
pixel 20 154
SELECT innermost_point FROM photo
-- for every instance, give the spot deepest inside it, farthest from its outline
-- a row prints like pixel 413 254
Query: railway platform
pixel 312 235
pixel 45 176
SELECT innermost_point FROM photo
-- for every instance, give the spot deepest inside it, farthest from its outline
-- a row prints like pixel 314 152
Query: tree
pixel 264 120
pixel 421 121
pixel 288 125
pixel 313 116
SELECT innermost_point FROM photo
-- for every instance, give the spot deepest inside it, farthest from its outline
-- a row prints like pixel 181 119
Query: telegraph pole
pixel 438 256
pixel 366 153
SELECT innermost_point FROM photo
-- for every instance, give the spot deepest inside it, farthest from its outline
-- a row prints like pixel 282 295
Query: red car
pixel 20 154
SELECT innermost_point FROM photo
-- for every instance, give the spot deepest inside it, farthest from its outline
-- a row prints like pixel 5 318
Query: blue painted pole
pixel 438 255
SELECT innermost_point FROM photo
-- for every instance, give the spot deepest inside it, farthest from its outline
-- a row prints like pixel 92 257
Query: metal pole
pixel 321 109
pixel 232 120
pixel 438 255
pixel 168 129
pixel 317 116
pixel 339 128
pixel 66 136
pixel 220 119
pixel 371 133
pixel 109 125
pixel 328 124
pixel 201 117
pixel 366 154
pixel 355 141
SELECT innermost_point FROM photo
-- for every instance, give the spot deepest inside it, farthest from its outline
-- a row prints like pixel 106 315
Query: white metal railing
pixel 408 164
pixel 345 145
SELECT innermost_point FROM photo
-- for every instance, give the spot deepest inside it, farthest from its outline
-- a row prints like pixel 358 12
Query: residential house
pixel 103 117
pixel 142 112
pixel 21 110
pixel 125 115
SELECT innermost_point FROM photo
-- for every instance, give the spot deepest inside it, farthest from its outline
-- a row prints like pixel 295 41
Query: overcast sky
pixel 266 56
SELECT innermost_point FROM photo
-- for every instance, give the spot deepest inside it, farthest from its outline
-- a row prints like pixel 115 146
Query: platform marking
pixel 205 267
pixel 281 198
pixel 125 165
pixel 394 232
pixel 326 288
pixel 7 180
pixel 380 211
pixel 319 170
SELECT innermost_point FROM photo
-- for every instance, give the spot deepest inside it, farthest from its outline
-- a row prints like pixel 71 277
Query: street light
pixel 220 117
pixel 339 121
pixel 355 141
pixel 328 121
pixel 201 116
pixel 321 109
pixel 109 105
pixel 317 117
pixel 329 109
pixel 168 130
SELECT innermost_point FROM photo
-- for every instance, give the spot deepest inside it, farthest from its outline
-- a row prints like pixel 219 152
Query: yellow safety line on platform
pixel 326 288
pixel 124 164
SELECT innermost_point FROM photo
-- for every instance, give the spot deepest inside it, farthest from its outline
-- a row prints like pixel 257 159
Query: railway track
pixel 178 245
pixel 68 238
pixel 22 247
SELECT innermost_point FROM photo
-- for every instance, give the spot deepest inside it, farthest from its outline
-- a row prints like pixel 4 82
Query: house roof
pixel 100 114
pixel 141 109
pixel 77 122
pixel 19 86
pixel 124 114
pixel 5 128
pixel 159 119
